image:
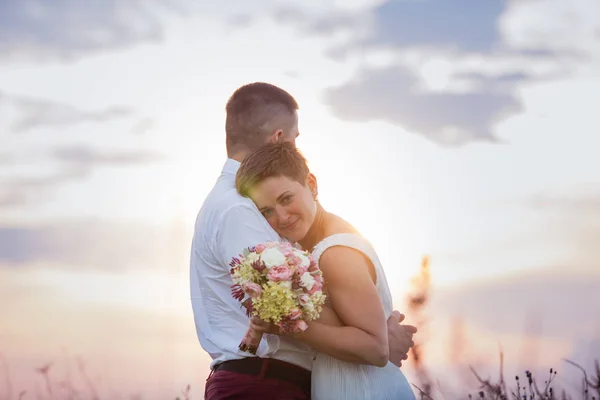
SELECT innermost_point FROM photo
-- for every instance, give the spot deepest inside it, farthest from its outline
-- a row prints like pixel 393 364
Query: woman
pixel 354 329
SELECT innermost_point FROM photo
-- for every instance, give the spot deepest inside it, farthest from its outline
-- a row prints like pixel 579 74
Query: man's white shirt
pixel 226 224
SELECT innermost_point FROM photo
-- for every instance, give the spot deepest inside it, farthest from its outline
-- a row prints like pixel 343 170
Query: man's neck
pixel 239 156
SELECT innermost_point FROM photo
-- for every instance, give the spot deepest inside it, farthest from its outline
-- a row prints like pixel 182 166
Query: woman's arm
pixel 329 317
pixel 349 278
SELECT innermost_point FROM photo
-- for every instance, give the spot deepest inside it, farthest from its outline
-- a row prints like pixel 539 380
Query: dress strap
pixel 351 240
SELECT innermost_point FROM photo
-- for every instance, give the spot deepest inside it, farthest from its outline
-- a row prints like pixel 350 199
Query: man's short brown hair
pixel 279 159
pixel 254 111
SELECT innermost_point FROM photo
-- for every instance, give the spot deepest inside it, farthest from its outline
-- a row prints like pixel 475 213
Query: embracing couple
pixel 267 193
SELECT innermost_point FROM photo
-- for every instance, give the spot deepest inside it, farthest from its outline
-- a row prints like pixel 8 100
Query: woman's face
pixel 288 206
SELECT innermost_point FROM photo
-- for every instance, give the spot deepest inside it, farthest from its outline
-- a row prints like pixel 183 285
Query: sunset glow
pixel 474 142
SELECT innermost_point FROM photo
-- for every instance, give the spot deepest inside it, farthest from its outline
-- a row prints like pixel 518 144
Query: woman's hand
pixel 258 325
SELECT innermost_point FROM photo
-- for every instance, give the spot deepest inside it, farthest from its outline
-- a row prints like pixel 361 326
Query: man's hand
pixel 399 338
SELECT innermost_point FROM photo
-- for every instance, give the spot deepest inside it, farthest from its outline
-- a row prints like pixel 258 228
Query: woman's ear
pixel 311 181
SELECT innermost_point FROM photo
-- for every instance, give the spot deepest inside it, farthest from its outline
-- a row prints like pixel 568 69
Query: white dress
pixel 335 379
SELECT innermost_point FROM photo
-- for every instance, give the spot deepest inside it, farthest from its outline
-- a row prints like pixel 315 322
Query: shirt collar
pixel 231 167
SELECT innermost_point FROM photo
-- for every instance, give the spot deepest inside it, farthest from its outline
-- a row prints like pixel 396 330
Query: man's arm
pixel 399 338
pixel 241 227
pixel 238 227
pixel 399 335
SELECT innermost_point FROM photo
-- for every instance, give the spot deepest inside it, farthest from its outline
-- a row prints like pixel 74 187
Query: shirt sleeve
pixel 242 226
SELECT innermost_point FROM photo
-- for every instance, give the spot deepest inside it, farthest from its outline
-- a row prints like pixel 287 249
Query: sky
pixel 465 131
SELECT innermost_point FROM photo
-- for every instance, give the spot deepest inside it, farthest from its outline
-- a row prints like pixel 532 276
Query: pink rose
pixel 252 289
pixel 304 299
pixel 280 273
pixel 293 260
pixel 313 266
pixel 300 326
pixel 286 248
pixel 295 314
pixel 260 248
pixel 317 286
pixel 296 283
pixel 318 279
pixel 300 269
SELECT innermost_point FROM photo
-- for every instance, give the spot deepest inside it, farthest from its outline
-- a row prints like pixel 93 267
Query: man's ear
pixel 311 181
pixel 276 136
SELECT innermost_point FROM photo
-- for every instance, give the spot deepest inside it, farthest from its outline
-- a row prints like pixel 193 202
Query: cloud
pixel 143 126
pixel 87 157
pixel 63 29
pixel 573 203
pixel 470 26
pixel 25 190
pixel 474 38
pixel 392 94
pixel 93 244
pixel 240 21
pixel 61 164
pixel 319 24
pixel 12 198
pixel 492 81
pixel 37 113
pixel 565 303
pixel 462 26
pixel 565 28
pixel 5 159
pixel 75 164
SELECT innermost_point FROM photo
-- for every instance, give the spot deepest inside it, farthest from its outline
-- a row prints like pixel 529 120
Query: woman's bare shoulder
pixel 337 225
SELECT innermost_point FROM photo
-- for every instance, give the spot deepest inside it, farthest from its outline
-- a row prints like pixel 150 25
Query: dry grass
pixel 524 387
pixel 49 387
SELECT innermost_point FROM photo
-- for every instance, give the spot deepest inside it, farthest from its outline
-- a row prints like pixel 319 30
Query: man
pixel 257 114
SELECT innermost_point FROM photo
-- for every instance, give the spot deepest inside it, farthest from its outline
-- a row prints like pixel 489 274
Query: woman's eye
pixel 267 213
pixel 287 199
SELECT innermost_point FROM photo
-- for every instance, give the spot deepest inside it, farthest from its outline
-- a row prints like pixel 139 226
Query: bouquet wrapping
pixel 278 283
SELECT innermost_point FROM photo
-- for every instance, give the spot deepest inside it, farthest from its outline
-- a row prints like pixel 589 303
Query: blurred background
pixel 465 131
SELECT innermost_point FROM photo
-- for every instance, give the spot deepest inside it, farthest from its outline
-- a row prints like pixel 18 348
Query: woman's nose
pixel 282 214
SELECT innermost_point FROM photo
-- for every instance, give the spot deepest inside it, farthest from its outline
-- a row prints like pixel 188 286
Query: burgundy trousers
pixel 230 385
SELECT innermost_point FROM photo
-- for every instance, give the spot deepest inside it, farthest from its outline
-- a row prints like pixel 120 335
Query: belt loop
pixel 264 366
pixel 212 371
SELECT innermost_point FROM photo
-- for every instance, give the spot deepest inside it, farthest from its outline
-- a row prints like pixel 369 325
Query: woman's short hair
pixel 272 160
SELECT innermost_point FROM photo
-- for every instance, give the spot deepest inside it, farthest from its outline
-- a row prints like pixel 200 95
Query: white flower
pixel 272 257
pixel 307 280
pixel 287 284
pixel 251 257
pixel 305 262
pixel 309 306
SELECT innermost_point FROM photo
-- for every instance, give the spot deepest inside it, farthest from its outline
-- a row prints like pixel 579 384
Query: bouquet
pixel 278 283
